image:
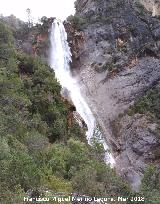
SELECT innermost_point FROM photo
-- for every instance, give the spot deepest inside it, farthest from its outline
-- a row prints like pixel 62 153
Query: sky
pixel 50 8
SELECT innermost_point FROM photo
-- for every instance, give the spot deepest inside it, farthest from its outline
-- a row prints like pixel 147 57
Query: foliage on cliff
pixel 149 103
pixel 32 114
pixel 37 148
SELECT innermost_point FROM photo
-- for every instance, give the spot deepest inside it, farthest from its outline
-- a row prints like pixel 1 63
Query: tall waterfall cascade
pixel 60 58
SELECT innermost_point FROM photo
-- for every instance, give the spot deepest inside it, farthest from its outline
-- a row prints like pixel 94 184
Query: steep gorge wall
pixel 117 62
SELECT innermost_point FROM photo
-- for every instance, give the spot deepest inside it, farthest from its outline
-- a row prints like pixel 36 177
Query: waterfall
pixel 60 59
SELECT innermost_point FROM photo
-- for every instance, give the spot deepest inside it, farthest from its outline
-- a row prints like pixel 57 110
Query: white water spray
pixel 59 61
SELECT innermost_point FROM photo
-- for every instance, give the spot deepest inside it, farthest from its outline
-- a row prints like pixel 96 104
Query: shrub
pixel 6 36
pixel 148 103
pixel 78 22
pixel 98 180
pixel 150 188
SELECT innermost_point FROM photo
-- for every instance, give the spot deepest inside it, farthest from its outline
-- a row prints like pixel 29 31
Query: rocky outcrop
pixel 139 146
pixel 152 5
pixel 76 41
pixel 116 63
pixel 36 39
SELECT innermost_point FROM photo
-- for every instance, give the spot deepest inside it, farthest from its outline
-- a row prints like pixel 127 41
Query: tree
pixel 30 20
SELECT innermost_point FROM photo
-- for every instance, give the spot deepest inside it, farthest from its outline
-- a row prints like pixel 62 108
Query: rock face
pixel 152 5
pixel 35 40
pixel 138 144
pixel 116 63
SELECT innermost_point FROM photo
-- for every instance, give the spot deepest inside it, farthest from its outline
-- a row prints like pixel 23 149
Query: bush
pixel 151 185
pixel 6 36
pixel 78 22
pixel 150 103
pixel 98 180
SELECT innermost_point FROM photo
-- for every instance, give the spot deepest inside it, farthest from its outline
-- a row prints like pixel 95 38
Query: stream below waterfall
pixel 60 59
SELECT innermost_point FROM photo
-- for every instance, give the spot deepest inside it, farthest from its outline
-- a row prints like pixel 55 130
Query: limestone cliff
pixel 116 50
pixel 152 5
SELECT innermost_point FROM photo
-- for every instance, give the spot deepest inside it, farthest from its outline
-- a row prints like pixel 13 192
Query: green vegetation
pixel 78 23
pixel 150 103
pixel 151 185
pixel 37 148
pixel 32 113
pixel 108 66
pixel 98 180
